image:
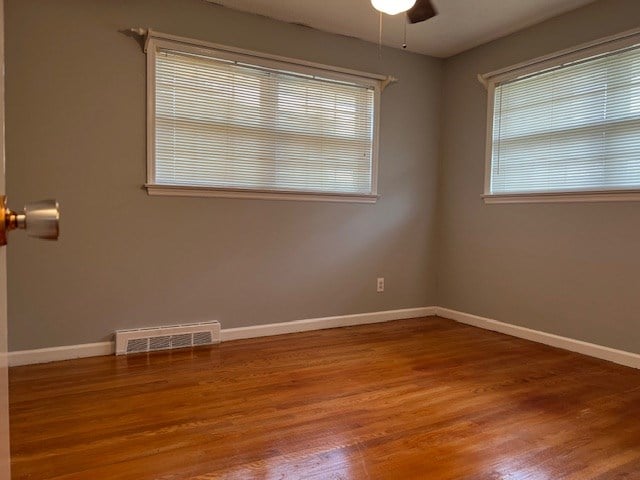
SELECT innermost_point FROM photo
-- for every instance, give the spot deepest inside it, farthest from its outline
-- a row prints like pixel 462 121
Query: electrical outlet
pixel 380 284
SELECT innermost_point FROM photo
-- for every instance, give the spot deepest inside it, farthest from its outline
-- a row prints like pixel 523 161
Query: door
pixel 40 220
pixel 4 384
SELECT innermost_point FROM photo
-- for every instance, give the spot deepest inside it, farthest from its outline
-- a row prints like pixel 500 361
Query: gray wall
pixel 569 269
pixel 76 131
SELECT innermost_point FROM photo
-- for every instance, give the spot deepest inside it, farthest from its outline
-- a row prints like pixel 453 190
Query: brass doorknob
pixel 39 219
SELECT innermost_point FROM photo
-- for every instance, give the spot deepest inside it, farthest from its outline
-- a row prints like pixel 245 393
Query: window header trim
pixel 264 59
pixel 601 46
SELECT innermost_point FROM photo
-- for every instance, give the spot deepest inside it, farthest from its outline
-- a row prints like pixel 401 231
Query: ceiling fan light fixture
pixel 392 7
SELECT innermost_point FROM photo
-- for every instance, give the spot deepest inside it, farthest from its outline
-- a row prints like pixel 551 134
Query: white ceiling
pixel 460 25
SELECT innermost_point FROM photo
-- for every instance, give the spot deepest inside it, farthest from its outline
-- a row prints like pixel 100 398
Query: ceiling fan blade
pixel 421 11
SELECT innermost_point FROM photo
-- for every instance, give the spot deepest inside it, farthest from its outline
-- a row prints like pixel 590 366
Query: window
pixel 225 122
pixel 567 125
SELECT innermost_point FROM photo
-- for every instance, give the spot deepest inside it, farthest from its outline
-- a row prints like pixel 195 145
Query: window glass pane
pixel 228 125
pixel 573 128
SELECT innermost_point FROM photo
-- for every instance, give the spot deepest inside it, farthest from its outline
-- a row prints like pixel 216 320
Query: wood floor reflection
pixel 424 398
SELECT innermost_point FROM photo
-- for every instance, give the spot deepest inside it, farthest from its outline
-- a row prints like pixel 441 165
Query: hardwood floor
pixel 425 398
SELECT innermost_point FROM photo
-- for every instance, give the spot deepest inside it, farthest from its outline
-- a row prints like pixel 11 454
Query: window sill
pixel 565 197
pixel 186 191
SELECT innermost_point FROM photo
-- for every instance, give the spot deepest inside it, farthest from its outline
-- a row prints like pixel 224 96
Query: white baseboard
pixel 44 355
pixel 591 349
pixel 54 354
pixel 323 323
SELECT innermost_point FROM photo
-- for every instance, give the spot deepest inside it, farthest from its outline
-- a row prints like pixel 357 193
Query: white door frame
pixel 4 384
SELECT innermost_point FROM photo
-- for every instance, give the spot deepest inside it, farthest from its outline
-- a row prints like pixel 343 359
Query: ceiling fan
pixel 417 10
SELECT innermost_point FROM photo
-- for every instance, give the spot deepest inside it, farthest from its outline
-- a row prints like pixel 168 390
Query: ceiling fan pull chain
pixel 380 38
pixel 404 43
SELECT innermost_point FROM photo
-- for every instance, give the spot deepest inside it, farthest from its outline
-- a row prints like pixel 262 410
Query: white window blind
pixel 228 124
pixel 572 128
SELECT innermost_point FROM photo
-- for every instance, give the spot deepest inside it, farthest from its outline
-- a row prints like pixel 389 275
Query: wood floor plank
pixel 423 398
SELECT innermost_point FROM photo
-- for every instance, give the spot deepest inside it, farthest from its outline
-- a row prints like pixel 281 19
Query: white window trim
pixel 492 79
pixel 182 191
pixel 155 41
